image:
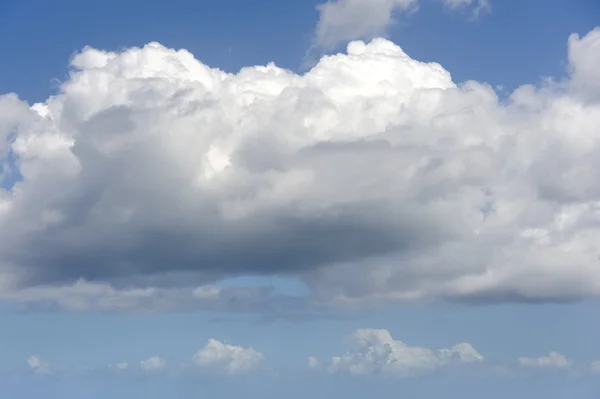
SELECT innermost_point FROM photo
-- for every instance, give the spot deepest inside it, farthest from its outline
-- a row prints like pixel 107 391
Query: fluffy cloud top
pixel 553 360
pixel 231 359
pixel 376 352
pixel 372 177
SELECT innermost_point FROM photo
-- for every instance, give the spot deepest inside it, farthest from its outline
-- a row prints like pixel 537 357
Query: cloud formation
pixel 120 366
pixel 344 20
pixel 477 7
pixel 376 352
pixel 341 21
pixel 373 177
pixel 151 364
pixel 227 358
pixel 83 296
pixel 553 360
pixel 38 365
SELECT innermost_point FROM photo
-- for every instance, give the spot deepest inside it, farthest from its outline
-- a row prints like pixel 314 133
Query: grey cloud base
pixel 373 177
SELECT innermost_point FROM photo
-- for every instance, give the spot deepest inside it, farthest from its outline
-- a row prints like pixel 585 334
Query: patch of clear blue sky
pixel 519 42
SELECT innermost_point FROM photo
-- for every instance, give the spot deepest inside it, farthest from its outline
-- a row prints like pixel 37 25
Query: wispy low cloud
pixel 99 296
pixel 119 366
pixel 476 7
pixel 38 365
pixel 552 360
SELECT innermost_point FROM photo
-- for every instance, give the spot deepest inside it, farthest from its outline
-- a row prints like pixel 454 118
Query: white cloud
pixel 376 352
pixel 231 359
pixel 345 20
pixel 153 363
pixel 553 360
pixel 595 366
pixel 373 177
pixel 38 365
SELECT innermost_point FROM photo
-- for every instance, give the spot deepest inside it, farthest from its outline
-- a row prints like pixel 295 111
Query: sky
pixel 299 199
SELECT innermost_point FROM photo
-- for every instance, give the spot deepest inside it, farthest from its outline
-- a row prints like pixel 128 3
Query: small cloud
pixel 153 363
pixel 314 364
pixel 553 360
pixel 345 20
pixel 595 367
pixel 231 359
pixel 478 7
pixel 38 365
pixel 120 366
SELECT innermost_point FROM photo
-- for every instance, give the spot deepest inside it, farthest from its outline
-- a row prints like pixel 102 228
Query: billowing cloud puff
pixel 231 359
pixel 552 360
pixel 376 352
pixel 372 177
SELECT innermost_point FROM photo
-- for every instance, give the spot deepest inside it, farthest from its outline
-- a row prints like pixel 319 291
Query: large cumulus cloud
pixel 372 177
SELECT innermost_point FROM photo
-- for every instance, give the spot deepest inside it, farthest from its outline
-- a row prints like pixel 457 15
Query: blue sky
pixel 282 280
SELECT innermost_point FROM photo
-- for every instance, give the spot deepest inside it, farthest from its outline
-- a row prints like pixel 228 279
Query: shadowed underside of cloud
pixel 373 177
